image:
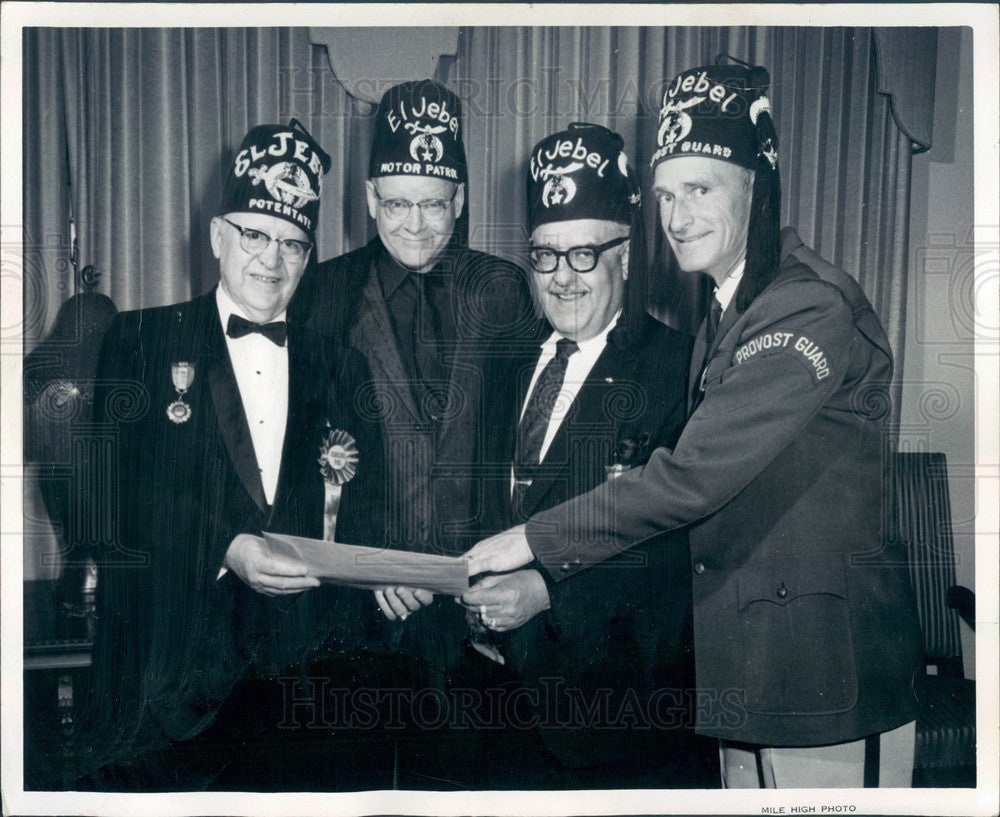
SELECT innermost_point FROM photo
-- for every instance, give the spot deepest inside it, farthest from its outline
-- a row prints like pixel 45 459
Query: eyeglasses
pixel 398 209
pixel 580 259
pixel 255 242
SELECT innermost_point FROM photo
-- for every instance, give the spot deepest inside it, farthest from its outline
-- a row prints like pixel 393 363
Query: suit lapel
pixel 373 335
pixel 227 404
pixel 699 357
pixel 302 386
pixel 588 409
pixel 463 384
pixel 697 361
pixel 521 366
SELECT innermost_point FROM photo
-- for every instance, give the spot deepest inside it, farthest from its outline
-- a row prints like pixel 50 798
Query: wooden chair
pixel 920 516
pixel 59 614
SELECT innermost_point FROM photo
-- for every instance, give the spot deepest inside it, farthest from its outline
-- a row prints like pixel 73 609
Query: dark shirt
pixel 420 306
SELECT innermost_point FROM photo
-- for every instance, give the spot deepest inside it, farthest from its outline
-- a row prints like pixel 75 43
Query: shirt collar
pixel 599 341
pixel 724 294
pixel 392 274
pixel 227 306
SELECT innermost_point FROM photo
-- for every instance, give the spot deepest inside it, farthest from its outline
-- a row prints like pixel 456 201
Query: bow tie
pixel 276 331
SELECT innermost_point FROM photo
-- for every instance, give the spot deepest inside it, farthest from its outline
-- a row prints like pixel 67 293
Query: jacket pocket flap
pixel 781 581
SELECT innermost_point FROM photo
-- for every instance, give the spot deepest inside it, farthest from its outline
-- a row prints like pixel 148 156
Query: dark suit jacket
pixel 167 499
pixel 617 635
pixel 418 485
pixel 805 624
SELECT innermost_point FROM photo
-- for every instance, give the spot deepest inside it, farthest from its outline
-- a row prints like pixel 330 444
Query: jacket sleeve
pixel 755 403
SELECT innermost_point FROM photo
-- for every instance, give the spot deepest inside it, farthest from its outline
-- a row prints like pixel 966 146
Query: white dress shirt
pixel 577 371
pixel 724 294
pixel 261 369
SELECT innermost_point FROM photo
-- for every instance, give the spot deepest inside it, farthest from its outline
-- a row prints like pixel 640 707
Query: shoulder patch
pixel 771 342
pixel 815 356
pixel 766 342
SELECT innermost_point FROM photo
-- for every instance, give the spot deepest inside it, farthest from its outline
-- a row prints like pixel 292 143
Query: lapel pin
pixel 616 470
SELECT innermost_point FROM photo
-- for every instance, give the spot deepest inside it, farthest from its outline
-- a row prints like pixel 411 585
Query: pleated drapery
pixel 133 129
pixel 129 129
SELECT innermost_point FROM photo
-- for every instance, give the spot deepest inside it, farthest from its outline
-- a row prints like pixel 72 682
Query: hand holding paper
pixel 273 575
pixel 507 601
pixel 396 603
pixel 501 553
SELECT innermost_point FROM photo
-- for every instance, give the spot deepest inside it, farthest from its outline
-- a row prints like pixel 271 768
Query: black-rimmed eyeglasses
pixel 580 259
pixel 398 209
pixel 255 242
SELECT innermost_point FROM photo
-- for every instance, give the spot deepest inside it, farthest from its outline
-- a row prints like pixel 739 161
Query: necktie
pixel 416 325
pixel 535 422
pixel 711 328
pixel 712 325
pixel 276 331
pixel 428 330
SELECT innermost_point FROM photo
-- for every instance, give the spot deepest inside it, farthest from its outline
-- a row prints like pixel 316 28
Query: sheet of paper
pixel 368 567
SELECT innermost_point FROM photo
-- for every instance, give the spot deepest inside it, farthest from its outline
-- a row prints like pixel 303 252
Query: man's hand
pixel 248 557
pixel 501 553
pixel 396 603
pixel 508 601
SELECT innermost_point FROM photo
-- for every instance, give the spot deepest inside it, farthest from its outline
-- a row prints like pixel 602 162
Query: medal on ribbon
pixel 338 463
pixel 182 375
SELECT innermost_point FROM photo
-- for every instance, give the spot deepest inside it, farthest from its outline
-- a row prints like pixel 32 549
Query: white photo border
pixel 983 800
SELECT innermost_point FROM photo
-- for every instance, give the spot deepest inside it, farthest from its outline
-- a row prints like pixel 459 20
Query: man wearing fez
pixel 415 327
pixel 208 401
pixel 804 624
pixel 605 388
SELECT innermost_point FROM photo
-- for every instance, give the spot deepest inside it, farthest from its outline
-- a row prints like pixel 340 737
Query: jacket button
pixel 699 568
pixel 782 591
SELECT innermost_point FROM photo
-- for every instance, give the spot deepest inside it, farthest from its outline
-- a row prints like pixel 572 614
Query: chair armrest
pixel 963 600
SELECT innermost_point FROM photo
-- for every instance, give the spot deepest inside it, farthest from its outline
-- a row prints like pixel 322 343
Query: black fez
pixel 418 132
pixel 581 172
pixel 720 112
pixel 277 171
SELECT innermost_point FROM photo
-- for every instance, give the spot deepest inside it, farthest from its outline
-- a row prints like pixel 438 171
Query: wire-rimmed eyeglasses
pixel 580 259
pixel 398 209
pixel 255 242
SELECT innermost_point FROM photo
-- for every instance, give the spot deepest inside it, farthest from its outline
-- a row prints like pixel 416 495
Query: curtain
pixel 844 156
pixel 130 130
